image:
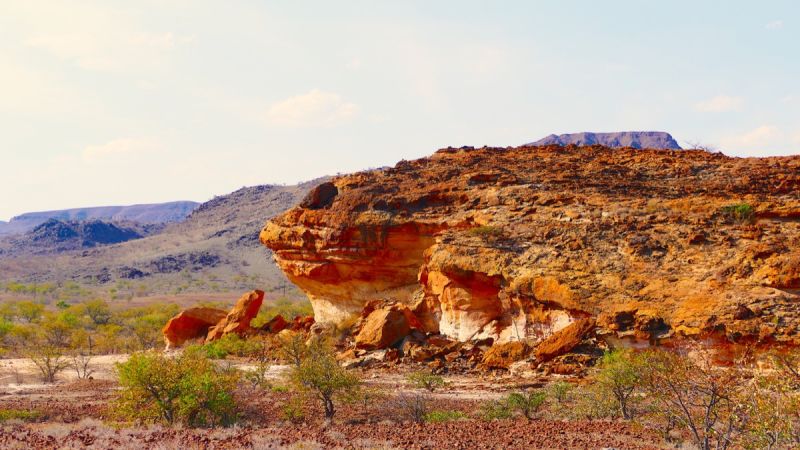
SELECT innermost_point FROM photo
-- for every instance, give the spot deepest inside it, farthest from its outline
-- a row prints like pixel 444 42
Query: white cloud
pixel 763 135
pixel 765 140
pixel 720 103
pixel 314 109
pixel 774 25
pixel 120 148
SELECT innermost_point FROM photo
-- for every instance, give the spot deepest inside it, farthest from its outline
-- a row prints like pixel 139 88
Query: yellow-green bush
pixel 187 389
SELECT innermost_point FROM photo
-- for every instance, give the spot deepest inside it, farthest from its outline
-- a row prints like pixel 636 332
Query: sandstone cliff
pixel 522 242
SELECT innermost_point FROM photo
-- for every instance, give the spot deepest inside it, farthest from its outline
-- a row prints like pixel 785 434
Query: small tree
pixel 559 390
pixel 415 406
pixel 425 380
pixel 98 311
pixel 83 343
pixel 49 360
pixel 706 400
pixel 619 377
pixel 528 403
pixel 320 375
pixel 292 347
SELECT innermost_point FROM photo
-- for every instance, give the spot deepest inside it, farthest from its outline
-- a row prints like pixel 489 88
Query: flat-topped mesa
pixel 520 242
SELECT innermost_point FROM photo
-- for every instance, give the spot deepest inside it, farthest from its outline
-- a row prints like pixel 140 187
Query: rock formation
pixel 190 324
pixel 238 320
pixel 384 325
pixel 519 243
pixel 207 324
pixel 632 139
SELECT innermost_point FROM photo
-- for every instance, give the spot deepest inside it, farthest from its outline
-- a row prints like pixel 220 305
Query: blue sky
pixel 118 102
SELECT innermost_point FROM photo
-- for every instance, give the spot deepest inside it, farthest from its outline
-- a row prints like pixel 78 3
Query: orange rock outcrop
pixel 189 324
pixel 518 243
pixel 238 319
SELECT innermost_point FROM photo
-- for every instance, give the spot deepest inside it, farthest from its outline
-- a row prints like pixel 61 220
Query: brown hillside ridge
pixel 518 243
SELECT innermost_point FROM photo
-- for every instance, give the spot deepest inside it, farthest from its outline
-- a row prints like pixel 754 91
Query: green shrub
pixel 444 416
pixel 528 403
pixel 496 409
pixel 19 414
pixel 740 212
pixel 233 344
pixel 188 389
pixel 559 390
pixel 425 380
pixel 293 411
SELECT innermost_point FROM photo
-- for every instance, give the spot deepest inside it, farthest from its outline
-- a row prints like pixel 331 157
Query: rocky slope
pixel 633 139
pixel 215 248
pixel 54 236
pixel 515 243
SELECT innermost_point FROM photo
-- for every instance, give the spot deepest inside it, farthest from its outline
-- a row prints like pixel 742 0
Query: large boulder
pixel 503 355
pixel 238 320
pixel 564 340
pixel 384 324
pixel 276 325
pixel 190 324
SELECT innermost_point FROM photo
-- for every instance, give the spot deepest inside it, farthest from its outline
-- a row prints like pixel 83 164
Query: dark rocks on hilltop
pixel 55 235
pixel 632 139
pixel 193 261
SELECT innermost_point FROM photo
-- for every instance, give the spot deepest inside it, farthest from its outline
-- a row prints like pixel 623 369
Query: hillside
pixel 215 249
pixel 146 214
pixel 55 236
pixel 632 139
pixel 521 242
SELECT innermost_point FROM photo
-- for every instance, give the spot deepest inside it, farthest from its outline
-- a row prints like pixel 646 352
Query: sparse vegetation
pixel 50 361
pixel 444 416
pixel 527 403
pixel 425 380
pixel 320 376
pixel 187 389
pixel 486 232
pixel 739 213
pixel 413 406
pixel 19 414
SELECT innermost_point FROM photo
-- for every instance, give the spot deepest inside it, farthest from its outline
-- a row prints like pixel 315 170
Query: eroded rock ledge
pixel 518 243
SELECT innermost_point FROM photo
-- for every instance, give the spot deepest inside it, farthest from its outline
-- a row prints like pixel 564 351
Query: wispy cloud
pixel 720 103
pixel 774 25
pixel 314 109
pixel 119 148
pixel 764 140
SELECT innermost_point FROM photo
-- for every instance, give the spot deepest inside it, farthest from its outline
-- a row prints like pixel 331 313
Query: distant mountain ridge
pixel 633 139
pixel 154 213
pixel 54 235
pixel 216 244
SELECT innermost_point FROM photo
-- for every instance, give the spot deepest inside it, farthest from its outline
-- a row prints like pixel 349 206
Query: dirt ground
pixel 79 414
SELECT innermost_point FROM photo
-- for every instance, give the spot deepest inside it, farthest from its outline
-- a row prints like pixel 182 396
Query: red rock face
pixel 238 320
pixel 515 243
pixel 564 340
pixel 384 324
pixel 190 324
